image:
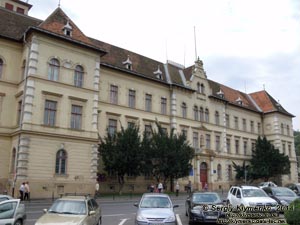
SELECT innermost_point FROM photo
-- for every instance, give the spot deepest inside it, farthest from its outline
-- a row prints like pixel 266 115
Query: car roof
pixel 245 187
pixel 74 197
pixel 155 194
pixel 207 192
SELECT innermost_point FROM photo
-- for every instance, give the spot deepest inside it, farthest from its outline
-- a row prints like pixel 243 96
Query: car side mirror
pixel 91 213
pixel 175 206
pixel 45 210
pixel 136 204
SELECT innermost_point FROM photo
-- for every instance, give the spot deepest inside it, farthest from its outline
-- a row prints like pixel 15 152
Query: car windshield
pixel 155 202
pixel 68 207
pixel 205 198
pixel 3 199
pixel 283 192
pixel 248 193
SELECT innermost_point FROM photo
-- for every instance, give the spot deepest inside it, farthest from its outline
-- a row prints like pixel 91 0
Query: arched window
pixel 184 109
pixel 196 113
pixel 13 161
pixel 53 70
pixel 219 172
pixel 1 68
pixel 202 88
pixel 217 118
pixel 206 115
pixel 61 162
pixel 201 114
pixel 78 76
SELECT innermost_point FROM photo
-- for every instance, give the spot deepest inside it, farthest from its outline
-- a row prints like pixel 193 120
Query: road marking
pixel 123 221
pixel 178 219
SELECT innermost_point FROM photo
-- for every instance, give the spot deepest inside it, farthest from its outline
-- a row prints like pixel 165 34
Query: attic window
pixel 128 63
pixel 239 101
pixel 68 29
pixel 220 94
pixel 158 73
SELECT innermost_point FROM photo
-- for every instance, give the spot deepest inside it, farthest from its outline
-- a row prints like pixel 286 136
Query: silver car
pixel 75 210
pixel 5 197
pixel 12 212
pixel 155 208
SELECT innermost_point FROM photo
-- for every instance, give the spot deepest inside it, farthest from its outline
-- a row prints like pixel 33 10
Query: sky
pixel 248 45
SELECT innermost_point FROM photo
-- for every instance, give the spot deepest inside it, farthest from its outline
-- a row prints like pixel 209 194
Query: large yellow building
pixel 59 89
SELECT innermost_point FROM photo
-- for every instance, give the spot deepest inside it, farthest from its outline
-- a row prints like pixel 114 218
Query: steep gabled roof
pixel 56 22
pixel 13 25
pixel 267 103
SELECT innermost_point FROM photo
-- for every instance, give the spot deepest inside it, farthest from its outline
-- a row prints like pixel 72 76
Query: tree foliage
pixel 121 153
pixel 267 161
pixel 297 142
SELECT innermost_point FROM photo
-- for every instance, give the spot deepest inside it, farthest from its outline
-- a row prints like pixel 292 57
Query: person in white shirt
pixel 160 187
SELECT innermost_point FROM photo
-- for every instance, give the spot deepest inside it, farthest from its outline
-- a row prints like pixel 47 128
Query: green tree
pixel 167 156
pixel 297 142
pixel 267 161
pixel 121 153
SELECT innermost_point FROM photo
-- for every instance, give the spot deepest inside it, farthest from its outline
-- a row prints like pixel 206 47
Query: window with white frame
pixel 53 70
pixel 76 117
pixel 114 94
pixel 148 102
pixel 78 76
pixel 184 109
pixel 131 98
pixel 163 105
pixel 195 140
pixel 50 113
pixel 112 127
pixel 61 162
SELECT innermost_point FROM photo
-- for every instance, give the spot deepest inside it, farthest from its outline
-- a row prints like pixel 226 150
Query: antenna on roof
pixel 195 43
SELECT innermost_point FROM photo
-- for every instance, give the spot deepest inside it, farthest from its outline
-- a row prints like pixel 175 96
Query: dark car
pixel 283 195
pixel 295 187
pixel 199 209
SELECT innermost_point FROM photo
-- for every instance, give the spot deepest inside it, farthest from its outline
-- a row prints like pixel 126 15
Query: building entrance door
pixel 203 174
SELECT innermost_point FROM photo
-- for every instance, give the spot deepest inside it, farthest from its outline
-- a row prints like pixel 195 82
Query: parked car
pixel 75 210
pixel 294 187
pixel 5 197
pixel 155 208
pixel 12 212
pixel 249 196
pixel 198 207
pixel 267 184
pixel 283 195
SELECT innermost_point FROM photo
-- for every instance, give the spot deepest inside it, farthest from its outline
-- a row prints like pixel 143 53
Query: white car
pixel 249 196
pixel 12 212
pixel 267 184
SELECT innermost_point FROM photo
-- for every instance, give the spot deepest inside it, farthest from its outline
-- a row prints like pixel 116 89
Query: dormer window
pixel 239 101
pixel 220 94
pixel 158 73
pixel 68 29
pixel 128 63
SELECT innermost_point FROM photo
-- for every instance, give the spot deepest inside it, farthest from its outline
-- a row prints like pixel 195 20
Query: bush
pixel 293 216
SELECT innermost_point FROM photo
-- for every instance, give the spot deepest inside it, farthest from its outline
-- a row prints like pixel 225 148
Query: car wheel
pixel 18 222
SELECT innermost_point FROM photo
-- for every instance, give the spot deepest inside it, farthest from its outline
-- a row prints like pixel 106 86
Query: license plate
pixel 211 217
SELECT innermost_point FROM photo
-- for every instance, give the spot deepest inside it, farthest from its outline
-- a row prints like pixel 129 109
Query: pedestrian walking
pixel 177 188
pixel 22 190
pixel 160 187
pixel 189 187
pixel 27 191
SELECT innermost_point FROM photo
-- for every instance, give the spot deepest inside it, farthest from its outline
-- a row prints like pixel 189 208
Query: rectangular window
pixel 20 10
pixel 236 122
pixel 245 147
pixel 19 113
pixel 218 143
pixel 131 98
pixel 228 144
pixel 207 141
pixel 148 102
pixel 163 106
pixel 9 6
pixel 258 128
pixel 113 94
pixel 50 113
pixel 195 140
pixel 112 126
pixel 76 117
pixel 244 125
pixel 237 146
pixel 227 121
pixel 252 126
